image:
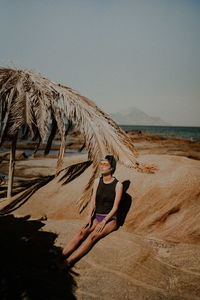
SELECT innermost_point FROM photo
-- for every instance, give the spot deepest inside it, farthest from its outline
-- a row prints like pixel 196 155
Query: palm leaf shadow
pixel 74 171
pixel 70 173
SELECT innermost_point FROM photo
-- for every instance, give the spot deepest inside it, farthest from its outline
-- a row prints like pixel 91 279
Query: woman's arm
pixel 118 195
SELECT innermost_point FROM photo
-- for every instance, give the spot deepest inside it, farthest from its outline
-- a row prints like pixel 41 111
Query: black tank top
pixel 105 196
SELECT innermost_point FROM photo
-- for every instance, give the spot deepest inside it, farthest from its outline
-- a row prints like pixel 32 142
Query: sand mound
pixel 164 205
pixel 155 254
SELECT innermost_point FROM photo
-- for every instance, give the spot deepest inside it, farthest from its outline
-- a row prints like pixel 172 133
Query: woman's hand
pixel 100 226
pixel 87 223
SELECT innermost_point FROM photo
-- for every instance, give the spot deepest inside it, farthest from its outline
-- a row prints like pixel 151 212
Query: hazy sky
pixel 118 53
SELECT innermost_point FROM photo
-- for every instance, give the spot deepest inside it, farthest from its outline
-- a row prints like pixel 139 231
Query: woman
pixel 102 219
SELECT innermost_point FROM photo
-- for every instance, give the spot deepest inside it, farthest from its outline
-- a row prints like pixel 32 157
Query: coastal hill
pixel 135 116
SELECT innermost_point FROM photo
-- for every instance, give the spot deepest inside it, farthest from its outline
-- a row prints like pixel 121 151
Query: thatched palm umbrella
pixel 33 100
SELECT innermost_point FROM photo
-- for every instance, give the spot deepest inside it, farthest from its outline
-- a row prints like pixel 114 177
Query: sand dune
pixel 155 254
pixel 164 204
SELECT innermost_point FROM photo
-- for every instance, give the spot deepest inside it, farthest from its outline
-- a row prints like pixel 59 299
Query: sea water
pixel 191 133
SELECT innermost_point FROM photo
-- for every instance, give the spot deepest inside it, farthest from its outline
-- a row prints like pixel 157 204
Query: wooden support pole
pixel 11 166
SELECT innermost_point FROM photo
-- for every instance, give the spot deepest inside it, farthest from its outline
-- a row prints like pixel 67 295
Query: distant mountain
pixel 135 116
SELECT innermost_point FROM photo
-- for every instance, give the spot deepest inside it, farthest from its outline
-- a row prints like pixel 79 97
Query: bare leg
pixel 89 241
pixel 81 234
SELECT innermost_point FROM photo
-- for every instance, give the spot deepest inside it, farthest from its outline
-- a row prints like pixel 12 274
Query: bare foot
pixel 65 255
pixel 69 263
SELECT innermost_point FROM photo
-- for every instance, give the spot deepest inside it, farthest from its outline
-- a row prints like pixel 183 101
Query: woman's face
pixel 105 167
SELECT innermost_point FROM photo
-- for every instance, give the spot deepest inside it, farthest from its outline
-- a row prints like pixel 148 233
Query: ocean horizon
pixel 191 133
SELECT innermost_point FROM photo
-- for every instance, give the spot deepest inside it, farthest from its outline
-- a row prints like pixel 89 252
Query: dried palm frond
pixel 28 98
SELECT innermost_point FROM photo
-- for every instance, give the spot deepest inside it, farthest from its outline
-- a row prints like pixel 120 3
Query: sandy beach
pixel 155 253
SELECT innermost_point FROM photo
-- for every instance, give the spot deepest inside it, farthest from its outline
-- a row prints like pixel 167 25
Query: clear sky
pixel 142 53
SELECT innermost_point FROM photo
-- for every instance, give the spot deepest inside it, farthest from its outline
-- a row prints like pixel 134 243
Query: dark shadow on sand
pixel 31 267
pixel 124 205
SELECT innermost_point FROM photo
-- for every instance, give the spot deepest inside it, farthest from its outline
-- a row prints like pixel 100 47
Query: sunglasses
pixel 104 164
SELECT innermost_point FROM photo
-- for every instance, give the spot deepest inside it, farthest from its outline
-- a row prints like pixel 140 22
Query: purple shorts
pixel 100 217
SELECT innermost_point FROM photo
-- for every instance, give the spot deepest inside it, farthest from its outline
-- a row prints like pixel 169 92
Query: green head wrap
pixel 111 159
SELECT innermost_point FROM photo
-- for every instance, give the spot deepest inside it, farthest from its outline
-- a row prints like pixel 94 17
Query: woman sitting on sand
pixel 102 219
